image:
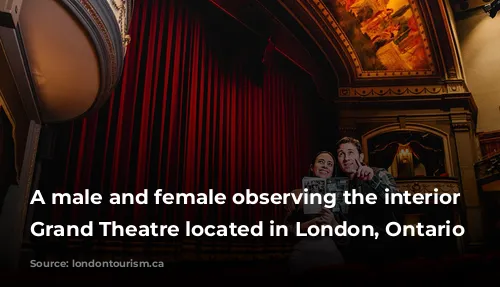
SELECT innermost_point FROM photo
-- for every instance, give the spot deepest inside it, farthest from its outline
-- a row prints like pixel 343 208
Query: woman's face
pixel 323 166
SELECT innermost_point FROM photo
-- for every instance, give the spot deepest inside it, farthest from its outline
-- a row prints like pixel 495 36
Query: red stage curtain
pixel 189 115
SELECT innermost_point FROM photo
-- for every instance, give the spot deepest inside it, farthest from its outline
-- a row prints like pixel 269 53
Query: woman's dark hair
pixel 310 172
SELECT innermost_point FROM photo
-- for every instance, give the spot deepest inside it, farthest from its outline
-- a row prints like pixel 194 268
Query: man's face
pixel 349 157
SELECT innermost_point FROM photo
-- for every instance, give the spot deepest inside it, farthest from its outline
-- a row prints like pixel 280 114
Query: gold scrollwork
pixel 120 6
pixel 109 46
pixel 428 186
pixel 428 90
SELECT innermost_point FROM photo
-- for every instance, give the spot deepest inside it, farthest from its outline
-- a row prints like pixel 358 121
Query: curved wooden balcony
pixel 488 169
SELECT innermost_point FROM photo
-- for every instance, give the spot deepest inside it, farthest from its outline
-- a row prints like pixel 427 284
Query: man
pixel 367 180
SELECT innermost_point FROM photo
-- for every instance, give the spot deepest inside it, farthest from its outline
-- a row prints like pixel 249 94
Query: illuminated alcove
pixel 409 152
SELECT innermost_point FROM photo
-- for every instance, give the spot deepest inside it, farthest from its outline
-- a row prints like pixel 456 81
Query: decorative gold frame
pixel 412 127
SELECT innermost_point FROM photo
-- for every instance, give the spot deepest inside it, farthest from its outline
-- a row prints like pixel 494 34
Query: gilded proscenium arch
pixel 412 127
pixel 318 32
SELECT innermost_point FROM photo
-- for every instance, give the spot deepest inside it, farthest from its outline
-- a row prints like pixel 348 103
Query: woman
pixel 313 252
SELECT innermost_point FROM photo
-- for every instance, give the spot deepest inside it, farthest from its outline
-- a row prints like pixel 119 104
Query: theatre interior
pixel 119 96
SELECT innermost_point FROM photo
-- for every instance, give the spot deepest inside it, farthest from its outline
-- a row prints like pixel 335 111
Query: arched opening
pixel 418 157
pixel 413 151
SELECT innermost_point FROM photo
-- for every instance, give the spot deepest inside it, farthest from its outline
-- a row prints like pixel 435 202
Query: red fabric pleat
pixel 184 119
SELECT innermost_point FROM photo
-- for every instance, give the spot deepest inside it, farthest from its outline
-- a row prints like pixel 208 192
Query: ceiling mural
pixel 364 48
pixel 383 37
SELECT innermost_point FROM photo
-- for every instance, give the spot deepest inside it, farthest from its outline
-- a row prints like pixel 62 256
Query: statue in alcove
pixel 407 154
pixel 406 163
pixel 7 162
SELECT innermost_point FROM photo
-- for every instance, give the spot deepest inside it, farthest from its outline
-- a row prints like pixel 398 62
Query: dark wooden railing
pixel 488 169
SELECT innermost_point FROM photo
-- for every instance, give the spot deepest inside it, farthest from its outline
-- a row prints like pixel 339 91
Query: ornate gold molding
pixel 102 28
pixel 121 10
pixel 425 90
pixel 428 185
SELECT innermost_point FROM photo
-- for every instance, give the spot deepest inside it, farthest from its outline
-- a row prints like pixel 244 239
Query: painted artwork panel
pixel 385 34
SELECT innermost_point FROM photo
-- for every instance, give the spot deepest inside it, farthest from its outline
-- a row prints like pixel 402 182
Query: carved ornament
pixel 427 90
pixel 428 186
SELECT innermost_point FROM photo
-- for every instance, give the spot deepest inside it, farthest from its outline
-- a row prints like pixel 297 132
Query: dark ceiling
pixel 268 18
